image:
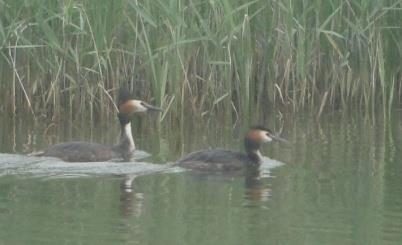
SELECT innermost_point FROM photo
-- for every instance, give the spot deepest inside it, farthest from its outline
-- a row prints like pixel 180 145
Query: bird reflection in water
pixel 131 202
pixel 255 189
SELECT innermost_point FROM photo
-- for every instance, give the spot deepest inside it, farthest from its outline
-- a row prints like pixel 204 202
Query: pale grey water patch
pixel 49 167
pixel 14 164
pixel 267 165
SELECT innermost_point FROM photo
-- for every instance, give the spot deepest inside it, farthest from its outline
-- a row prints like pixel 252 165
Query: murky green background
pixel 341 184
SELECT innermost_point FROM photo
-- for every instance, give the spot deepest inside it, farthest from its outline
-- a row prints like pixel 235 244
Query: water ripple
pixel 47 167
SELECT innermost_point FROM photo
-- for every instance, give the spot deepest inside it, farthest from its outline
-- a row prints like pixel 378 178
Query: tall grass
pixel 235 57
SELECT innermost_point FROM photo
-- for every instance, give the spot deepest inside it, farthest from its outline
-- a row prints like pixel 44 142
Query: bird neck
pixel 126 145
pixel 253 150
pixel 255 156
pixel 126 136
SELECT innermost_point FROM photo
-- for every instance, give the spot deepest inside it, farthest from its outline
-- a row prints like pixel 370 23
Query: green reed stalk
pixel 203 57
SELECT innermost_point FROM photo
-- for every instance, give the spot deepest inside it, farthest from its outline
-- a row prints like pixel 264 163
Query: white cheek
pixel 141 108
pixel 138 107
pixel 265 138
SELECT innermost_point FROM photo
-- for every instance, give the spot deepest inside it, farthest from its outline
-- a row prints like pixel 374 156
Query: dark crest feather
pixel 259 127
pixel 124 95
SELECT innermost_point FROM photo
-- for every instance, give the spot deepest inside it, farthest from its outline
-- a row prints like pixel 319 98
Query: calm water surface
pixel 341 183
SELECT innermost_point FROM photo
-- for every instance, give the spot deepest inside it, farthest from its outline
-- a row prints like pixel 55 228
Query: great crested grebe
pixel 227 160
pixel 77 151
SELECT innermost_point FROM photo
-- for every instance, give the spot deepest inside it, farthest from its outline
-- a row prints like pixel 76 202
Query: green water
pixel 341 184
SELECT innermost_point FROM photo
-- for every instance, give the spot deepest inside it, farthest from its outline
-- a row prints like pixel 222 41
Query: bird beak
pixel 151 107
pixel 277 138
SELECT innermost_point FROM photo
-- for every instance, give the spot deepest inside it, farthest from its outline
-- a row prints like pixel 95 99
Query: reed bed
pixel 68 58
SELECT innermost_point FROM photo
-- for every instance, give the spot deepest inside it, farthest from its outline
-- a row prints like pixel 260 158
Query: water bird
pixel 227 160
pixel 78 151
